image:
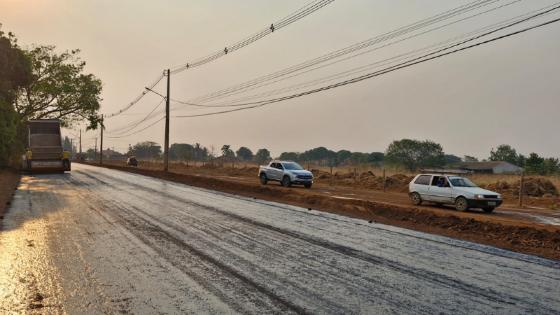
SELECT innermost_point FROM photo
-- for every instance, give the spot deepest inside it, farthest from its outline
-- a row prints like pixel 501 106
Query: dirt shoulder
pixel 496 230
pixel 9 180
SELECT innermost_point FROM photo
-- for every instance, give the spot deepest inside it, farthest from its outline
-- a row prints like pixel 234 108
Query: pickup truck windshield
pixel 292 166
pixel 461 182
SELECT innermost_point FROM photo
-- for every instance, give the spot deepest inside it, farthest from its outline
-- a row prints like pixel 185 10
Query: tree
pixel 200 153
pixel 376 157
pixel 262 156
pixel 15 72
pixel 413 154
pixel 244 154
pixel 59 88
pixel 451 159
pixel 67 145
pixel 505 152
pixel 343 155
pixel 551 166
pixel 289 156
pixel 468 158
pixel 146 150
pixel 534 164
pixel 227 152
pixel 181 151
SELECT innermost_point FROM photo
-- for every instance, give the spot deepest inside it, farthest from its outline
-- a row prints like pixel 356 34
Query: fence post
pixel 521 188
pixel 384 180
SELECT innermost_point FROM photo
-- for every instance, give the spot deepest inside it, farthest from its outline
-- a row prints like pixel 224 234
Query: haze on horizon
pixel 502 93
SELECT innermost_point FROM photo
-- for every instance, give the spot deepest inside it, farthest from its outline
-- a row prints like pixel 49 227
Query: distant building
pixel 491 167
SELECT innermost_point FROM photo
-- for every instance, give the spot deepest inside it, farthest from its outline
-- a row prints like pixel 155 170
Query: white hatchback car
pixel 453 190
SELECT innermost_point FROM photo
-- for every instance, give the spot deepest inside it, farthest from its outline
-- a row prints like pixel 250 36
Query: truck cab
pixel 44 147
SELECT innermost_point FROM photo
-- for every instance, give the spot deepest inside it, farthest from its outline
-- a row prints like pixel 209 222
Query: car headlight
pixel 478 196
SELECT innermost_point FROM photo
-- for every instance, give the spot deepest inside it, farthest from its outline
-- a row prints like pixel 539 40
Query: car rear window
pixel 423 180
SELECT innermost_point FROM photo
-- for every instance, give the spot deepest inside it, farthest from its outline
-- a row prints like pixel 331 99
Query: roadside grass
pixel 9 180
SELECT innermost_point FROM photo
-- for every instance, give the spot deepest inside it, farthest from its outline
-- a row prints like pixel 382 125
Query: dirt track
pixel 102 241
pixel 508 228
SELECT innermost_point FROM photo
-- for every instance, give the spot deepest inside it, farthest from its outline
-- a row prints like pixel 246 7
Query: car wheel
pixel 307 185
pixel 416 199
pixel 461 204
pixel 488 209
pixel 263 179
pixel 286 182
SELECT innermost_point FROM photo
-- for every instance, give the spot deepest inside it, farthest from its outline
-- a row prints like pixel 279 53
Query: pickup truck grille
pixel 491 196
pixel 304 176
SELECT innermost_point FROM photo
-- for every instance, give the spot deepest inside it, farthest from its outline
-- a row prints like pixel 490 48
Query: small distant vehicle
pixel 44 147
pixel 287 173
pixel 452 190
pixel 132 161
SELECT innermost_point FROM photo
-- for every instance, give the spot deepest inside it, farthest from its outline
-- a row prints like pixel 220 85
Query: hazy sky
pixel 505 92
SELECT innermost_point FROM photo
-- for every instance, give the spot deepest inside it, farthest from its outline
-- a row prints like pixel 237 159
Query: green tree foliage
pixel 262 156
pixel 15 72
pixel 376 157
pixel 289 156
pixel 227 152
pixel 413 154
pixel 200 153
pixel 59 88
pixel 505 152
pixel 451 159
pixel 468 158
pixel 244 154
pixel 181 151
pixel 67 145
pixel 145 150
pixel 534 164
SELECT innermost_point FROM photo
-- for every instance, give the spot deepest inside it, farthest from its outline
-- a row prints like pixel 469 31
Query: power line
pixel 299 14
pixel 137 99
pixel 133 133
pixel 135 124
pixel 234 103
pixel 331 63
pixel 296 16
pixel 350 49
pixel 407 64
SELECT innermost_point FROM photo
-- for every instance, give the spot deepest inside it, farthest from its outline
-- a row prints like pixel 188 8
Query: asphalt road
pixel 102 241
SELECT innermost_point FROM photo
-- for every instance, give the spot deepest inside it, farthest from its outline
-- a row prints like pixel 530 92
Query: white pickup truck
pixel 287 173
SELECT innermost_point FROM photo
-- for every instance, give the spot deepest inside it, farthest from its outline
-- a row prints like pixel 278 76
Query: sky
pixel 469 102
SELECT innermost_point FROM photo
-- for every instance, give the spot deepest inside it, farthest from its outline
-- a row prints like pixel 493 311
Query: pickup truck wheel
pixel 461 204
pixel 286 182
pixel 488 209
pixel 416 199
pixel 263 179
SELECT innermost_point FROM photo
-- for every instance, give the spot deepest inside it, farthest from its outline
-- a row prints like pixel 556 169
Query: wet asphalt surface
pixel 102 241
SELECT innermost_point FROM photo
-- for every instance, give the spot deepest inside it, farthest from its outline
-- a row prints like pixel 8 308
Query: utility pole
pixel 95 150
pixel 80 143
pixel 166 148
pixel 101 146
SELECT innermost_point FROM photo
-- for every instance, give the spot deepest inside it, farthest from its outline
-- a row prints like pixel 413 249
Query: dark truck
pixel 44 147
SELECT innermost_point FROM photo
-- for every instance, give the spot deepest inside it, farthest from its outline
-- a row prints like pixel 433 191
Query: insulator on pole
pixel 272 27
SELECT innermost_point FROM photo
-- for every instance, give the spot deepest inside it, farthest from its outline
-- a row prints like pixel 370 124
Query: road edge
pixel 526 240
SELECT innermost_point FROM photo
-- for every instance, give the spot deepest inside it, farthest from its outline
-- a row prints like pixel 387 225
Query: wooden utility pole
pixel 80 143
pixel 95 149
pixel 166 147
pixel 101 146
